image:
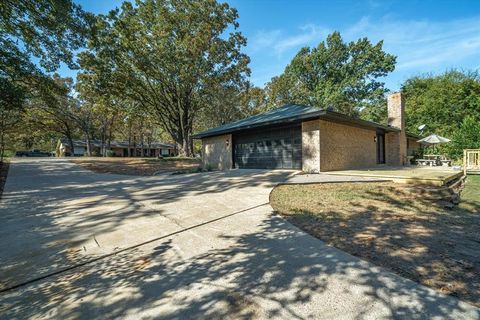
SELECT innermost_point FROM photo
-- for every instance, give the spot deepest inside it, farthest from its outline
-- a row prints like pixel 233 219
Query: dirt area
pixel 3 175
pixel 410 230
pixel 137 166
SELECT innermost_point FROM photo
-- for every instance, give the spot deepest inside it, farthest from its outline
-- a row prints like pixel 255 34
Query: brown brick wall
pixel 311 146
pixel 118 151
pixel 344 147
pixel 216 152
pixel 392 148
pixel 413 146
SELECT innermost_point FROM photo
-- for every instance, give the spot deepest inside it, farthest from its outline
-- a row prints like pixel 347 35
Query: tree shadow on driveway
pixel 249 265
pixel 55 214
pixel 277 271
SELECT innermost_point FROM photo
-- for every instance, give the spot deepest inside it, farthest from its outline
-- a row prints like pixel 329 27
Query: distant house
pixel 310 139
pixel 120 148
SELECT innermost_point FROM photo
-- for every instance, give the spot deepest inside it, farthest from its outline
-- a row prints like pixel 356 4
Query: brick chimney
pixel 396 110
pixel 396 118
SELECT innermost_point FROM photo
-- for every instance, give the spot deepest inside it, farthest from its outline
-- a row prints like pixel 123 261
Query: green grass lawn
pixel 472 189
pixel 406 229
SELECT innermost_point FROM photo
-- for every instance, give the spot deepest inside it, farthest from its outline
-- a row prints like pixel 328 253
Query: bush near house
pixel 449 105
pixel 110 153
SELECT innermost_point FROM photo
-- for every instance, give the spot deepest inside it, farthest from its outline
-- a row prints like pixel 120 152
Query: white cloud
pixel 308 34
pixel 422 43
pixel 264 39
pixel 281 43
pixel 421 46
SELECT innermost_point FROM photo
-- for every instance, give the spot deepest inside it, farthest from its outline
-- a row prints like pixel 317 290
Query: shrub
pixel 467 136
pixel 8 153
pixel 110 153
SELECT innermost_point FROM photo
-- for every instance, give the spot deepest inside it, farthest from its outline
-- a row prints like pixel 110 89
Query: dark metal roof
pixel 288 114
pixel 116 144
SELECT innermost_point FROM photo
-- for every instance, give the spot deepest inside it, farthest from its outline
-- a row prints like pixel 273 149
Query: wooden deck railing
pixel 471 160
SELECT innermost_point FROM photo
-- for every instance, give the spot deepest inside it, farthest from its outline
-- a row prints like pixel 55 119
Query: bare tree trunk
pixel 89 146
pixel 134 146
pixel 184 143
pixel 102 146
pixel 109 137
pixel 129 140
pixel 2 142
pixel 142 152
pixel 2 136
pixel 72 146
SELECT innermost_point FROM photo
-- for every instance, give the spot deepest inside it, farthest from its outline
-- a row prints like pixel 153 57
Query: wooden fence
pixel 471 160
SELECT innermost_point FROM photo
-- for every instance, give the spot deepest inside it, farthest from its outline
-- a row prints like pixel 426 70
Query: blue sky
pixel 426 36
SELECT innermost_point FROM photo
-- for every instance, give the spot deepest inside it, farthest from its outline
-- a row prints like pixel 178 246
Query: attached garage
pixel 305 138
pixel 273 148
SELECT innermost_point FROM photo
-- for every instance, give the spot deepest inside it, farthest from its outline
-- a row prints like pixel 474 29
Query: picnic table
pixel 434 160
pixel 425 162
pixel 446 163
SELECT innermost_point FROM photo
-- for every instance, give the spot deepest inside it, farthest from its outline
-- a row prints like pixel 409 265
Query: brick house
pixel 120 148
pixel 310 139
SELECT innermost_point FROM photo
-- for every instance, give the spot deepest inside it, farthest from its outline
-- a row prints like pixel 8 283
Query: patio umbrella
pixel 434 139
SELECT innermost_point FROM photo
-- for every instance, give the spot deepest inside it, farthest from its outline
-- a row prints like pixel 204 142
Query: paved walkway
pixel 328 178
pixel 217 252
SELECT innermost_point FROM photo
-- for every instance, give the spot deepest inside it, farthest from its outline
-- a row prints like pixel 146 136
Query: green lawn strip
pixel 471 193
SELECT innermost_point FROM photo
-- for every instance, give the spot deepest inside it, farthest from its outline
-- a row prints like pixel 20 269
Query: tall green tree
pixel 442 103
pixel 230 104
pixel 54 110
pixel 169 56
pixel 47 30
pixel 467 136
pixel 343 76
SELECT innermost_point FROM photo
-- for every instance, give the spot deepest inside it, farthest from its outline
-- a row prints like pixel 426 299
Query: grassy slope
pixel 472 189
pixel 396 227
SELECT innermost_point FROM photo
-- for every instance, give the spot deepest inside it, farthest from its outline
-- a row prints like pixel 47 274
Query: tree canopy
pixel 448 104
pixel 47 30
pixel 336 74
pixel 171 56
pixel 169 68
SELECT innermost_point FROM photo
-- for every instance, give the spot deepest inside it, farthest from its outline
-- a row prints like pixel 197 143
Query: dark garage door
pixel 279 148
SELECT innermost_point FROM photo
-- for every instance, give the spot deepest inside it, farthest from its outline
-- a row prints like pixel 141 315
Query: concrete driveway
pixel 75 244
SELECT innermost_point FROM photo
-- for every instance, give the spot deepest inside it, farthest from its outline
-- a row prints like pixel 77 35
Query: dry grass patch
pixel 405 229
pixel 137 166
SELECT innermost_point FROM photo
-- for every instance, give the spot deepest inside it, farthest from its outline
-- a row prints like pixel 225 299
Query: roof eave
pixel 340 117
pixel 308 116
pixel 324 114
